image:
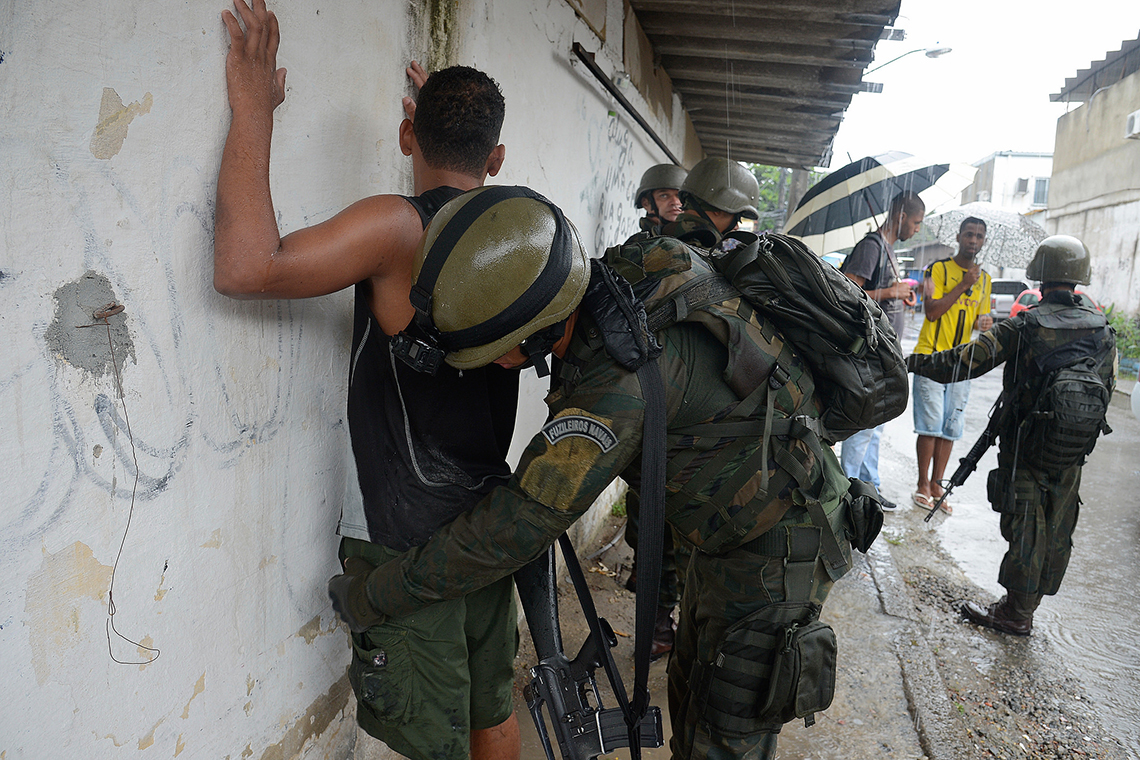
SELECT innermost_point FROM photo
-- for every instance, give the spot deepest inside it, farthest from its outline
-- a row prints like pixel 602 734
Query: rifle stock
pixel 584 728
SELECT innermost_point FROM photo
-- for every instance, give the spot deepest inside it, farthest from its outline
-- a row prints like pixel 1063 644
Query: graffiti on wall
pixel 165 343
pixel 613 177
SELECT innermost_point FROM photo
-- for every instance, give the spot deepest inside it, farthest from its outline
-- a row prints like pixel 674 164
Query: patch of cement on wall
pixel 55 601
pixel 313 723
pixel 87 347
pixel 114 118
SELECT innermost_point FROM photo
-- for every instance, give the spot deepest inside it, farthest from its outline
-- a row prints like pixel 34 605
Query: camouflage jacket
pixel 593 435
pixel 1057 320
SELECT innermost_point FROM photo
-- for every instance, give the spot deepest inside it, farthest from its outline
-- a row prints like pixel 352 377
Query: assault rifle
pixel 969 463
pixel 583 726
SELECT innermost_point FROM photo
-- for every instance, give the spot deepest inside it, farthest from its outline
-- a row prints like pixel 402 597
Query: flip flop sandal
pixel 922 501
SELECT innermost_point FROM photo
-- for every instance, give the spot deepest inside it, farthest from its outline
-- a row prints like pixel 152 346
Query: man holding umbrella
pixel 872 266
pixel 956 300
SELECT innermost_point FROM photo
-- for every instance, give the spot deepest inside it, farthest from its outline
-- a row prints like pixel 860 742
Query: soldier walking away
pixel 426 448
pixel 1060 360
pixel 749 485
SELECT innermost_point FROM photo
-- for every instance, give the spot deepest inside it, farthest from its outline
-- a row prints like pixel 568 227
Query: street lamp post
pixel 935 52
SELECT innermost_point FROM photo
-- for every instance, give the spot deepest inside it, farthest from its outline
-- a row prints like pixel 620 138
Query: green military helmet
pixel 659 177
pixel 724 185
pixel 495 266
pixel 1061 258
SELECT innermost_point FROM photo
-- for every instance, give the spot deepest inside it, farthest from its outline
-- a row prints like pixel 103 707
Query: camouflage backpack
pixel 1071 403
pixel 859 372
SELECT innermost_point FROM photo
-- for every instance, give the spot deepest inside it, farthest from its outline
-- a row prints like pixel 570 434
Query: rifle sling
pixel 649 540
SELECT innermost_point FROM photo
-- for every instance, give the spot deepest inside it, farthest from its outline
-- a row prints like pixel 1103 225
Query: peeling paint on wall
pixel 88 348
pixel 114 118
pixel 54 604
pixel 313 723
pixel 148 740
pixel 199 687
pixel 312 629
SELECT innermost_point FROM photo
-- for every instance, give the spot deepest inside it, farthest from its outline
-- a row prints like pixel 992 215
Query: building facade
pixel 1095 189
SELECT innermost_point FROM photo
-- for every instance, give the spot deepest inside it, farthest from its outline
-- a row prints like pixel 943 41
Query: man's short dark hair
pixel 971 220
pixel 907 202
pixel 459 113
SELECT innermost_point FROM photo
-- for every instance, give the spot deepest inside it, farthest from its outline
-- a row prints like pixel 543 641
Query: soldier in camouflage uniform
pixel 764 511
pixel 658 194
pixel 1038 505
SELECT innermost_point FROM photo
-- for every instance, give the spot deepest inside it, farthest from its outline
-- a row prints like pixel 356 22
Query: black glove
pixel 864 518
pixel 349 598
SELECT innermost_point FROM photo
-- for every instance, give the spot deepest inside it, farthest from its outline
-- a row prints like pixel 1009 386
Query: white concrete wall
pixel 114 115
pixel 1008 169
pixel 997 180
pixel 1095 190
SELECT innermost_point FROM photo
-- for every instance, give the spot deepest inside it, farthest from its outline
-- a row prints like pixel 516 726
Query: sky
pixel 991 93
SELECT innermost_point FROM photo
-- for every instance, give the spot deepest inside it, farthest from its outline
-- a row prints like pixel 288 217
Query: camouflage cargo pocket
pixel 381 674
pixel 775 665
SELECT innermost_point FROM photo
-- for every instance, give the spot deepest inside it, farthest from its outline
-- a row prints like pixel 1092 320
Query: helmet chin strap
pixel 538 346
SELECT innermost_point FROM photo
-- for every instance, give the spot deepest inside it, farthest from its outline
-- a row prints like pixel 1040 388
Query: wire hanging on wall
pixel 102 319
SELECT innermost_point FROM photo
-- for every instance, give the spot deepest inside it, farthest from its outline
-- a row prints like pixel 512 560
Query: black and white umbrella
pixel 850 202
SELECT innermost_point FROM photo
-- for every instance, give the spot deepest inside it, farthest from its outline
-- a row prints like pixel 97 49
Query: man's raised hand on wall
pixel 252 76
pixel 418 76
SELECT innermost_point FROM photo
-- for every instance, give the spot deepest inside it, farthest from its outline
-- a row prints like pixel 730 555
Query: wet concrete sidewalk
pixel 886 672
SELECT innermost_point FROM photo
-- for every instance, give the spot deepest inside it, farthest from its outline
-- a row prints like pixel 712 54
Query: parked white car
pixel 1002 295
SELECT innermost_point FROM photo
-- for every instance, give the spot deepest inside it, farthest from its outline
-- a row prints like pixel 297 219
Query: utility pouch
pixel 773 666
pixel 864 517
pixel 1009 496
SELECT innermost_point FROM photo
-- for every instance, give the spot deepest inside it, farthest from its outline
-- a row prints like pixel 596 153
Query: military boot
pixel 664 632
pixel 1000 616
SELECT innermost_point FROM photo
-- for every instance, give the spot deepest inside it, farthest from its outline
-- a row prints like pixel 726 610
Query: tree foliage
pixel 775 187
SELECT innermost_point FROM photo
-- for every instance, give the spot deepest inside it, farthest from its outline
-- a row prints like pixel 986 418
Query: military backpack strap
pixel 650 537
pixel 704 290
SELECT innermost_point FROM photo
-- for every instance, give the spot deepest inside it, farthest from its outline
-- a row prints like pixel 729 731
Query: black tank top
pixel 427 448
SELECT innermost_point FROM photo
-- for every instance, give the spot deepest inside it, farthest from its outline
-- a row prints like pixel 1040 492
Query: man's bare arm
pixel 898 290
pixel 934 308
pixel 251 260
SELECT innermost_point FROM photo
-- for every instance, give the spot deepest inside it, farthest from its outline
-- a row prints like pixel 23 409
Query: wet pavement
pixel 1092 622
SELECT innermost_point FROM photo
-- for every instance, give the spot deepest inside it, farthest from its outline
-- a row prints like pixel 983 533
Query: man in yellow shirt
pixel 955 300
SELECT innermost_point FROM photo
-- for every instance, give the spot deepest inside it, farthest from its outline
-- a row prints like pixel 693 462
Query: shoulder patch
pixel 581 427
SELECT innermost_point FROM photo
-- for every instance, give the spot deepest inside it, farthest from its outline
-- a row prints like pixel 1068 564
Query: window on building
pixel 1041 191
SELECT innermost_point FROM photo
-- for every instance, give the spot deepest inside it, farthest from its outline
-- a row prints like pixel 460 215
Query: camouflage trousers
pixel 719 591
pixel 1038 516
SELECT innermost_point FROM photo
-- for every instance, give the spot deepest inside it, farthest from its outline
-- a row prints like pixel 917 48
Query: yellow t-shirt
pixel 955 326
